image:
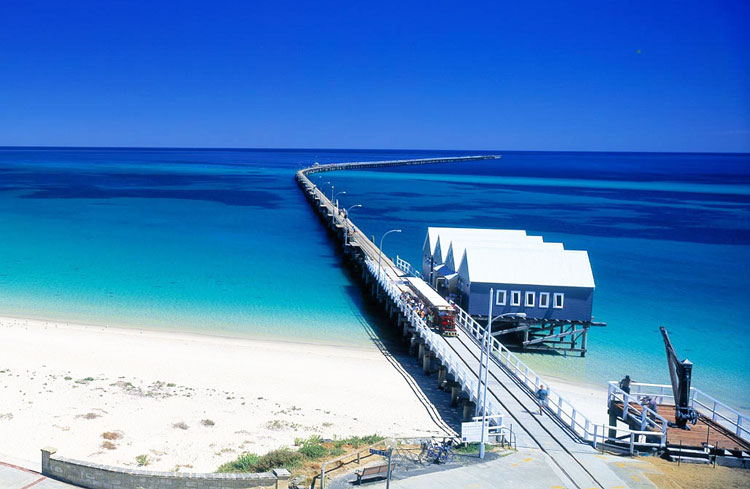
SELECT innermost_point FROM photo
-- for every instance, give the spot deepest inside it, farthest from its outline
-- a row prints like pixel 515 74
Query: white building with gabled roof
pixel 545 284
pixel 438 240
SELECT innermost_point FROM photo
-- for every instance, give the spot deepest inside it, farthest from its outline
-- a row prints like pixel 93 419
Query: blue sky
pixel 591 76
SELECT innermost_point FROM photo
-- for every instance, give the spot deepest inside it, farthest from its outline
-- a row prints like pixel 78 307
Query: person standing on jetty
pixel 541 395
pixel 625 384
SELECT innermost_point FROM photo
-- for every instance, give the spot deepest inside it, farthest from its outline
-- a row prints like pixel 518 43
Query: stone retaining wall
pixel 96 476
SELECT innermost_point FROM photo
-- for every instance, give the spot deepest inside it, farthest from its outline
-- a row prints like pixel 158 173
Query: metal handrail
pixel 631 435
pixel 645 417
pixel 406 267
pixel 560 407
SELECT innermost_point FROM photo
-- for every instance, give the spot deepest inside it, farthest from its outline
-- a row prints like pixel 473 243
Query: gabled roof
pixel 458 246
pixel 448 234
pixel 549 267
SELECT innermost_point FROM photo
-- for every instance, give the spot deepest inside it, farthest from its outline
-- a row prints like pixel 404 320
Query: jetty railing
pixel 466 378
pixel 632 438
pixel 566 412
pixel 648 419
pixel 705 404
pixel 406 267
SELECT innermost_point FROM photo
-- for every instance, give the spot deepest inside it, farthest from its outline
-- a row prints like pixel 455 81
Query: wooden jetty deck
pixel 705 433
pixel 562 433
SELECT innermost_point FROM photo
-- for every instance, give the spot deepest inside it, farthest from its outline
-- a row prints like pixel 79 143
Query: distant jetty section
pixel 358 165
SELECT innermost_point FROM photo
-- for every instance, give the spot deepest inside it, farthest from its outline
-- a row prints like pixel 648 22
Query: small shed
pixel 542 283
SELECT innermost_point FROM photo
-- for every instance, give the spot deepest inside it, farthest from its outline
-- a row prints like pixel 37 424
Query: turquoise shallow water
pixel 223 242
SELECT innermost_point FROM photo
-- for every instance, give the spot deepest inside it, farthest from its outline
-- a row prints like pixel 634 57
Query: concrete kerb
pixel 96 476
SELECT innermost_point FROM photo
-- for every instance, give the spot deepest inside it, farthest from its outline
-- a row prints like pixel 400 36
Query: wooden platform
pixel 705 431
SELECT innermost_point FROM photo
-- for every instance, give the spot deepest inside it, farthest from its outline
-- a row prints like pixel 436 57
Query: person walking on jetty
pixel 625 384
pixel 541 396
pixel 650 402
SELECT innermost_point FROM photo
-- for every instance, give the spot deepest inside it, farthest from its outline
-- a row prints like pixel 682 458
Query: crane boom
pixel 680 373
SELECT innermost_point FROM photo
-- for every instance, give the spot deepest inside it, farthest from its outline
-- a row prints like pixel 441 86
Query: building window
pixel 544 300
pixel 530 296
pixel 500 298
pixel 559 300
pixel 515 298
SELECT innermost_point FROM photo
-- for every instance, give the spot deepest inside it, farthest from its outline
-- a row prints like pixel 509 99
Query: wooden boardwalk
pixel 704 433
pixel 577 461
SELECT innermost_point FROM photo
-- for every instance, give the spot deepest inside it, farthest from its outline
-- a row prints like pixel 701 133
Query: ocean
pixel 223 242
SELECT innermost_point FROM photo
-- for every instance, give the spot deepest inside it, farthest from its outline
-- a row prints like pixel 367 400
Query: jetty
pixel 564 434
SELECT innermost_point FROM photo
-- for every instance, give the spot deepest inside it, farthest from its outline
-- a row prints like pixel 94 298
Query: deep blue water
pixel 222 241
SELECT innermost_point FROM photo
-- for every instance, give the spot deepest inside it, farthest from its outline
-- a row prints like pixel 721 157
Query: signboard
pixel 382 453
pixel 472 431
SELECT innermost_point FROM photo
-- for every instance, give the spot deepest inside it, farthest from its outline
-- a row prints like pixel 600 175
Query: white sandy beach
pixel 66 385
pixel 259 395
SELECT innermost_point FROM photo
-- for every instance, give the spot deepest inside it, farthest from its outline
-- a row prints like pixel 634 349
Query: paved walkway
pixel 17 477
pixel 580 466
pixel 525 469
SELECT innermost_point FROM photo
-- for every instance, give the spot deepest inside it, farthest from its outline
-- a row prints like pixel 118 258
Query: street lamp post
pixel 380 255
pixel 335 198
pixel 487 340
pixel 346 228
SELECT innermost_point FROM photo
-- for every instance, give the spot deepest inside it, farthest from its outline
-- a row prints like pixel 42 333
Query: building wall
pixel 426 265
pixel 96 476
pixel 426 257
pixel 577 303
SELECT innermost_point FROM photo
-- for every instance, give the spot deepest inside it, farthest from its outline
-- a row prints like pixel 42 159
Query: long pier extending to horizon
pixel 564 434
pixel 567 436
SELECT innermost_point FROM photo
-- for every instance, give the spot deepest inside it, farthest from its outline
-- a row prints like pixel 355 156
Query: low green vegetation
pixel 468 448
pixel 250 462
pixel 312 449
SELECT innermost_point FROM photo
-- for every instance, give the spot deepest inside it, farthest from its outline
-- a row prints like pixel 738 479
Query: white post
pixel 632 443
pixel 388 476
pixel 488 335
pixel 481 359
pixel 596 430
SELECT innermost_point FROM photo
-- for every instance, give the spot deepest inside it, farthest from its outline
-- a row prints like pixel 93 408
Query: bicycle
pixel 435 452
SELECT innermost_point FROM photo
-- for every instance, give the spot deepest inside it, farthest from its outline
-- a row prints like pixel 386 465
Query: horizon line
pixel 241 148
